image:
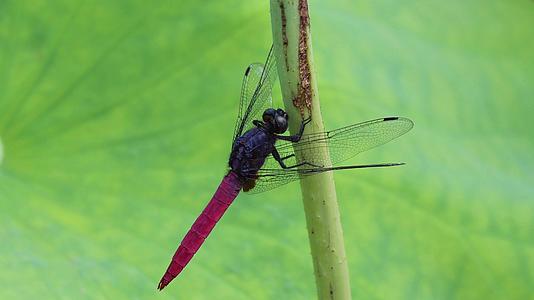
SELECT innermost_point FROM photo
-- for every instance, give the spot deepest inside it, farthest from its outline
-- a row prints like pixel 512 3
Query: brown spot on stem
pixel 304 96
pixel 284 33
pixel 331 291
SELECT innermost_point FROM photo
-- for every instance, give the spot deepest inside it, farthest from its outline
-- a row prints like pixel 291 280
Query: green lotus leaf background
pixel 116 119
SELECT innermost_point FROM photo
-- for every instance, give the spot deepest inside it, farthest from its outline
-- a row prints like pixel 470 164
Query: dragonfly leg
pixel 303 164
pixel 280 160
pixel 295 138
pixel 289 156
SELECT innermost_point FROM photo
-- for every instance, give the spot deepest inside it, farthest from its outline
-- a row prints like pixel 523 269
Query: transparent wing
pixel 256 93
pixel 268 179
pixel 341 144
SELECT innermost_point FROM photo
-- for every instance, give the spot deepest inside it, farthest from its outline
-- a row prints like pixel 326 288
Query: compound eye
pixel 268 114
pixel 270 111
pixel 281 124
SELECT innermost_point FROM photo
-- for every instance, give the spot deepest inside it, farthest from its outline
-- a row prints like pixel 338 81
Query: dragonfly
pixel 262 158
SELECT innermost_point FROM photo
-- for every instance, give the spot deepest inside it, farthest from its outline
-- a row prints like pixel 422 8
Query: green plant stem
pixel 1 151
pixel 293 51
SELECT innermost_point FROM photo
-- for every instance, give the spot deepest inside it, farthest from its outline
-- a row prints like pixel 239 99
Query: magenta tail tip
pixel 162 284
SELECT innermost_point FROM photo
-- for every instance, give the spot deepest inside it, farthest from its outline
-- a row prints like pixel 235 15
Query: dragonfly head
pixel 276 119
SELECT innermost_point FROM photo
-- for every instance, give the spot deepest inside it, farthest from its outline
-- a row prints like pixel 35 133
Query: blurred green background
pixel 116 119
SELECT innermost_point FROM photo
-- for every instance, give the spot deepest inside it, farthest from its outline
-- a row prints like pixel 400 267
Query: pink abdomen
pixel 221 200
